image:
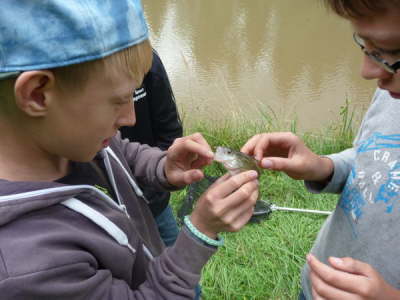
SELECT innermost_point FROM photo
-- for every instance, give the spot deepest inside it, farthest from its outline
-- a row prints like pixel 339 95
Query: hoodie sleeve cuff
pixel 189 253
pixel 335 184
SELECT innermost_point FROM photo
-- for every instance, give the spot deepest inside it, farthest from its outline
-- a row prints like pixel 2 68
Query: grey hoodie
pixel 61 241
pixel 365 224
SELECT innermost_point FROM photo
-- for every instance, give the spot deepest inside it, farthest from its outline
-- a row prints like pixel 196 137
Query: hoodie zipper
pixel 135 187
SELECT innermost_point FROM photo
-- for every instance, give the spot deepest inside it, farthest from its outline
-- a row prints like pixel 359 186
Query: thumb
pixel 191 176
pixel 277 164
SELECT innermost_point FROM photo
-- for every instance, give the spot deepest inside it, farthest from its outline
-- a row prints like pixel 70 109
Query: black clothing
pixel 90 173
pixel 157 122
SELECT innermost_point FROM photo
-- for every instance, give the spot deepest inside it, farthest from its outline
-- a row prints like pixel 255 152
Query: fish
pixel 234 161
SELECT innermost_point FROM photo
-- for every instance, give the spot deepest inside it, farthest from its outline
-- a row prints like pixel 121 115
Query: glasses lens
pixel 359 41
pixel 380 62
pixel 387 67
pixel 374 55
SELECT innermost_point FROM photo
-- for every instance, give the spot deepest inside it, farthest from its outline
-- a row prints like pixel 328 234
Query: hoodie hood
pixel 21 197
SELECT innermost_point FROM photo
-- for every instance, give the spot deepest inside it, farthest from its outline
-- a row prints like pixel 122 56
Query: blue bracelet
pixel 201 235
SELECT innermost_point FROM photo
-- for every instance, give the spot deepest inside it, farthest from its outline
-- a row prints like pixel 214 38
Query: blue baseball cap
pixel 37 35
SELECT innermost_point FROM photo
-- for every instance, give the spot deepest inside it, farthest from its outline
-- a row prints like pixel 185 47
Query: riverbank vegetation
pixel 264 260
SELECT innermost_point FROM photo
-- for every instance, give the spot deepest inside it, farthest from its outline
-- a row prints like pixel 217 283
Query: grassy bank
pixel 263 261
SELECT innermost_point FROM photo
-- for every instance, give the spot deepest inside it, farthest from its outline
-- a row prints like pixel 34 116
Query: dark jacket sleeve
pixel 167 125
pixel 157 118
pixel 157 123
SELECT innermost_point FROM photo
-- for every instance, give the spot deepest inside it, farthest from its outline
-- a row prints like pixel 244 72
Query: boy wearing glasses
pixel 356 254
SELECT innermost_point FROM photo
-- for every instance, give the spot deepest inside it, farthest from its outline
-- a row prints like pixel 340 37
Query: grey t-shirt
pixel 366 222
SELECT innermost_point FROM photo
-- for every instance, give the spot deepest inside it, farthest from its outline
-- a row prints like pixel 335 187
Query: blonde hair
pixel 134 62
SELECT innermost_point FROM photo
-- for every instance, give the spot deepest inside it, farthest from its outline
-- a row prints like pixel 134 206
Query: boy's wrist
pixel 200 226
pixel 328 169
pixel 205 238
pixel 324 170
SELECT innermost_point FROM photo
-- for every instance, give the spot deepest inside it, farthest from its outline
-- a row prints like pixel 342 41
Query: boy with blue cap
pixel 73 222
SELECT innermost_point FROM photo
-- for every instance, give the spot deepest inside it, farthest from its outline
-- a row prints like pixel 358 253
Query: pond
pixel 247 59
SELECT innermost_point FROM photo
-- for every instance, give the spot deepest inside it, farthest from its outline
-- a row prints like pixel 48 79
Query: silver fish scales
pixel 235 161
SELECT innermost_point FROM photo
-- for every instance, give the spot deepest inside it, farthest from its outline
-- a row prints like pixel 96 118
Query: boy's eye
pixel 121 103
pixel 393 53
pixel 376 54
pixel 125 100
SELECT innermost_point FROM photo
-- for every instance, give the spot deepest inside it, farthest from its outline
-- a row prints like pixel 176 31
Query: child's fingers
pixel 244 212
pixel 225 188
pixel 344 281
pixel 263 143
pixel 192 176
pixel 250 145
pixel 200 139
pixel 207 155
pixel 188 145
pixel 351 265
pixel 276 144
pixel 276 163
pixel 322 290
pixel 201 162
pixel 235 215
pixel 240 203
pixel 247 191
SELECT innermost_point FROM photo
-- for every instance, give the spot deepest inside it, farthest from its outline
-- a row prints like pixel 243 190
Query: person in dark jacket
pixel 74 223
pixel 157 125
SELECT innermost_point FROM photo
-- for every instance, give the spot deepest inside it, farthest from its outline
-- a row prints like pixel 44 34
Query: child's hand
pixel 284 151
pixel 227 205
pixel 185 158
pixel 348 278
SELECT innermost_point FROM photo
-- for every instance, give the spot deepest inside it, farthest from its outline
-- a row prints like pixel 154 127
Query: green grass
pixel 264 260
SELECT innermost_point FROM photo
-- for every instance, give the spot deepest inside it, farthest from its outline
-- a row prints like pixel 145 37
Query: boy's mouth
pixel 106 142
pixel 394 95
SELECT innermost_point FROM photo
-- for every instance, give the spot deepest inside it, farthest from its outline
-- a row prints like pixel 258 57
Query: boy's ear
pixel 32 92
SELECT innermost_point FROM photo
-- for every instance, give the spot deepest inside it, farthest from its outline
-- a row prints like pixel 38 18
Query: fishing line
pixel 272 207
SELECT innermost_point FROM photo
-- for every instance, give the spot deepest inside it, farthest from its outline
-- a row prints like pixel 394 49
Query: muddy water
pixel 247 59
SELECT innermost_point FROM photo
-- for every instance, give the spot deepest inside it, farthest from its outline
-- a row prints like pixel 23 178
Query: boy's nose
pixel 371 70
pixel 128 116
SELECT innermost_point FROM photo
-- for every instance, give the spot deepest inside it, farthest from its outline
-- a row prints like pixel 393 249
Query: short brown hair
pixel 360 8
pixel 7 96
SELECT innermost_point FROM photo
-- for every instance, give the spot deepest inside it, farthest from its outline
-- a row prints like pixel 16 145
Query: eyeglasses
pixel 376 56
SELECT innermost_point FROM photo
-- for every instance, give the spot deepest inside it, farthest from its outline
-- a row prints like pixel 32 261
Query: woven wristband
pixel 201 235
